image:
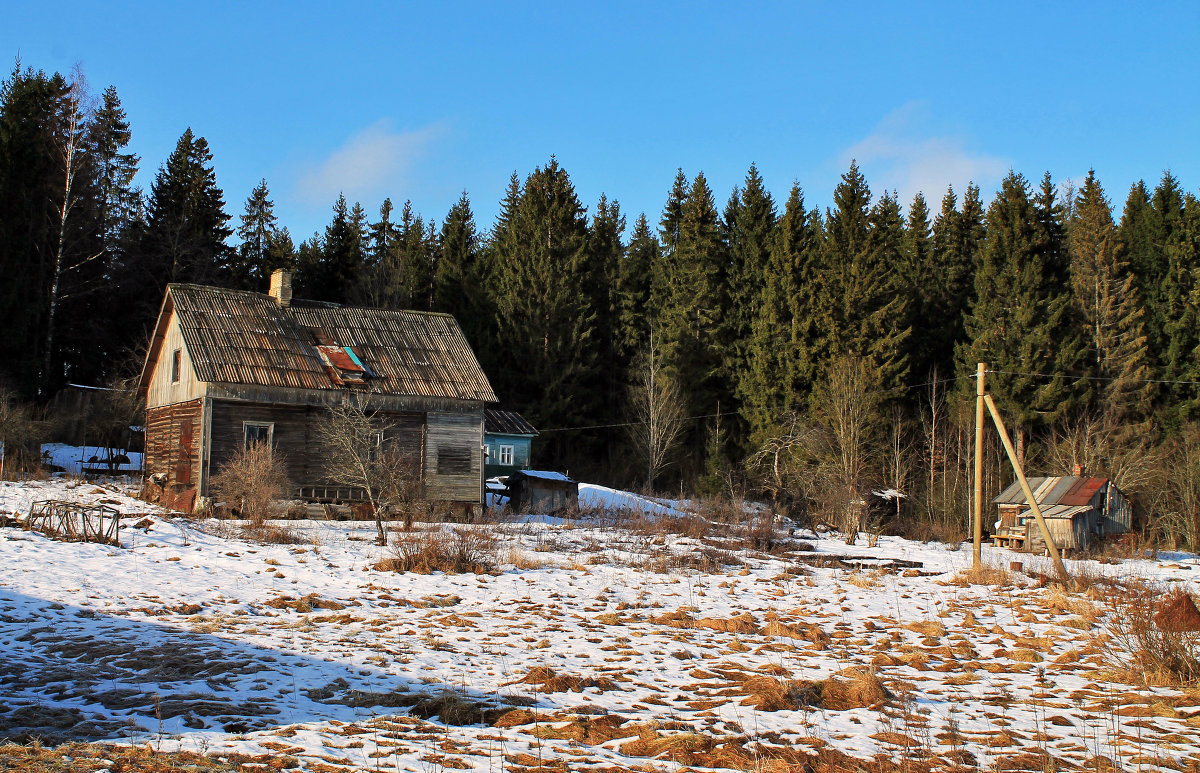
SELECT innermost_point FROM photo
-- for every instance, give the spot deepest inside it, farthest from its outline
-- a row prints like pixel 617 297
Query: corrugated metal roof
pixel 239 337
pixel 1065 490
pixel 1083 491
pixel 1056 511
pixel 506 423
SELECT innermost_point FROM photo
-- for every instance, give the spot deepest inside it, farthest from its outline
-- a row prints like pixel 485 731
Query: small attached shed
pixel 1077 510
pixel 508 438
pixel 534 491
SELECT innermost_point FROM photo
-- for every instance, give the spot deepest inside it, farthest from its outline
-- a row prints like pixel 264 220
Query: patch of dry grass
pixel 457 551
pixel 96 758
pixel 1147 645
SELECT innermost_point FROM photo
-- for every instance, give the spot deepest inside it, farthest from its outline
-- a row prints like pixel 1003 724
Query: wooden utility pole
pixel 977 541
pixel 1033 505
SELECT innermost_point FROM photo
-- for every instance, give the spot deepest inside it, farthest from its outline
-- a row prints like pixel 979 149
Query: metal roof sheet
pixel 240 337
pixel 506 423
pixel 1061 490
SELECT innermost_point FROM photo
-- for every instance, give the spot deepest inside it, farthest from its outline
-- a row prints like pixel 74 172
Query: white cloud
pixel 368 164
pixel 902 154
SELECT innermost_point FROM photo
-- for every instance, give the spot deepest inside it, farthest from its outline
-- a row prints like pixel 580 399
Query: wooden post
pixel 977 540
pixel 1033 505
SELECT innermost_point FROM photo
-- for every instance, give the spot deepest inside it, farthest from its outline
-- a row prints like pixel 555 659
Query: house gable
pixel 169 376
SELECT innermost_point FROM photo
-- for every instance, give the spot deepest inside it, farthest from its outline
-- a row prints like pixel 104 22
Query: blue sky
pixel 421 101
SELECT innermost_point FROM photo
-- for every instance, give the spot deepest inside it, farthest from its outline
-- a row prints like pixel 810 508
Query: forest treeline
pixel 762 345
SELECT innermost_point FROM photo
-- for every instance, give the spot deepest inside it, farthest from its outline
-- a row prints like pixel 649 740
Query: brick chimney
pixel 1078 471
pixel 281 286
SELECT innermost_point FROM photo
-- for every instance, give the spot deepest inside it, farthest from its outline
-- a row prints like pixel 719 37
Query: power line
pixel 634 423
pixel 1088 378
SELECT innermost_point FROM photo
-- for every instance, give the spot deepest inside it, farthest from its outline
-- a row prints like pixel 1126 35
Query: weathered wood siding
pixel 295 436
pixel 1068 533
pixel 163 391
pixel 174 450
pixel 454 456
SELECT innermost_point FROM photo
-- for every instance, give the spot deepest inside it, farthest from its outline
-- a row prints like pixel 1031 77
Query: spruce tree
pixel 668 230
pixel 120 202
pixel 957 241
pixel 635 315
pixel 184 237
pixel 1109 308
pixel 918 274
pixel 694 307
pixel 456 281
pixel 605 252
pixel 330 266
pixel 544 321
pixel 750 226
pixel 1021 322
pixel 783 343
pixel 257 233
pixel 866 308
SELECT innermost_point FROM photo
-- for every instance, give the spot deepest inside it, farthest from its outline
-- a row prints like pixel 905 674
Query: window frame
pixel 506 455
pixel 176 365
pixel 246 425
pixel 375 450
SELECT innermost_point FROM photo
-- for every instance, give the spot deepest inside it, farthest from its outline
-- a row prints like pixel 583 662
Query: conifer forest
pixel 735 343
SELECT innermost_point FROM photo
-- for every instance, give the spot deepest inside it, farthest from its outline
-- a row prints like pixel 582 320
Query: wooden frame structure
pixel 75 522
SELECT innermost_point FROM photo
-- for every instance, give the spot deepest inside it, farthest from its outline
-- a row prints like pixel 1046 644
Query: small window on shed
pixel 176 360
pixel 453 460
pixel 506 454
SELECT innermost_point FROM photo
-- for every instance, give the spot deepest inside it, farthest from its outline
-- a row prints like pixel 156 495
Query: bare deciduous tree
pixel 780 460
pixel 656 413
pixel 1098 446
pixel 847 408
pixel 355 439
pixel 71 157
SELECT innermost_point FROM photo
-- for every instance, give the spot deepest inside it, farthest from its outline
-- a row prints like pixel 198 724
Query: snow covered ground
pixel 588 648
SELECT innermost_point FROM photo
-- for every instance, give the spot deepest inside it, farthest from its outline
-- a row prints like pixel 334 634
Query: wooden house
pixel 1077 510
pixel 227 368
pixel 533 491
pixel 508 438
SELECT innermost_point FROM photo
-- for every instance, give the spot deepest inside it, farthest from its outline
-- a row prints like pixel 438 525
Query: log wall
pixel 174 452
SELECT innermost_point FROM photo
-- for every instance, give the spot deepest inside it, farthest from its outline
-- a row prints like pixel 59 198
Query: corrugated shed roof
pixel 1065 490
pixel 240 337
pixel 506 423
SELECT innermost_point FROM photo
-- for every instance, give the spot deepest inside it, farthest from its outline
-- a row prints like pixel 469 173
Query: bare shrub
pixel 251 481
pixel 18 433
pixel 1147 641
pixel 457 551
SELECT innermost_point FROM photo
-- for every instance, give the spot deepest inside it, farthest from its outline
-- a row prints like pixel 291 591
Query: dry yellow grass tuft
pixel 933 629
pixel 547 680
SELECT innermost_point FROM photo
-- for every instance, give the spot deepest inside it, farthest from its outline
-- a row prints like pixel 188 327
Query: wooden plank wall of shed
pixel 295 436
pixel 173 440
pixel 459 431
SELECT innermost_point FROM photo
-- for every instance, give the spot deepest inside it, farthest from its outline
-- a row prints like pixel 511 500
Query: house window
pixel 376 449
pixel 506 454
pixel 453 460
pixel 176 359
pixel 257 432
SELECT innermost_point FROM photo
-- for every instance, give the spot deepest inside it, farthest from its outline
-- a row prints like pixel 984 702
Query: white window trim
pixel 507 455
pixel 270 432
